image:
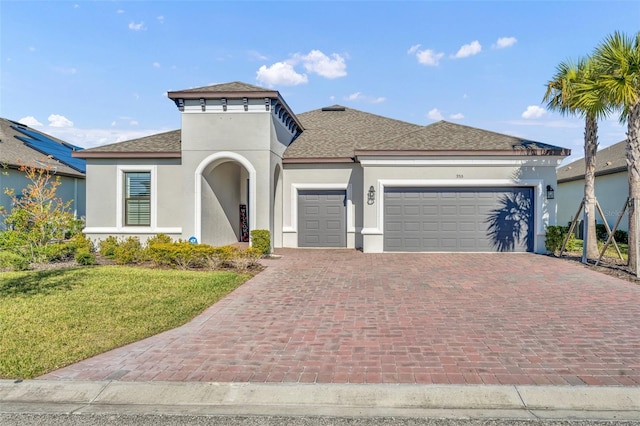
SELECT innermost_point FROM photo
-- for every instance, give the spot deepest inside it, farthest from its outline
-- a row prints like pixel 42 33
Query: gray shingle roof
pixel 235 86
pixel 14 152
pixel 612 159
pixel 337 132
pixel 168 142
pixel 446 136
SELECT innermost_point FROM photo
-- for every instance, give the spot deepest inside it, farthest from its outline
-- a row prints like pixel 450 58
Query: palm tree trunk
pixel 633 164
pixel 590 149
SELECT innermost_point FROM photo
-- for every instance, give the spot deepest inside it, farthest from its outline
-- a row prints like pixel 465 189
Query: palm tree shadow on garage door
pixel 510 225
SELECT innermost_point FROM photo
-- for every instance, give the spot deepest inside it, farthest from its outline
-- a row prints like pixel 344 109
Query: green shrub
pixel 601 232
pixel 159 239
pixel 81 242
pixel 247 259
pixel 621 236
pixel 261 240
pixel 13 260
pixel 85 257
pixel 129 251
pixel 107 247
pixel 555 237
pixel 56 252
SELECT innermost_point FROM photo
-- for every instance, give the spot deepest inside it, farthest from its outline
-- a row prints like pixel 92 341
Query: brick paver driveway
pixel 343 316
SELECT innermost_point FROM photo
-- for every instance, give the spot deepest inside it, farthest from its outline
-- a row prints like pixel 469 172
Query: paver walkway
pixel 341 316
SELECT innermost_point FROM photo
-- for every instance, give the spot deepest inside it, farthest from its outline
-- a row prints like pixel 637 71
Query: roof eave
pixel 440 153
pixel 316 160
pixel 130 154
pixel 252 94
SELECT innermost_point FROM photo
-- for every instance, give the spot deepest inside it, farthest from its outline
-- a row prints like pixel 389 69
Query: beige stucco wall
pixel 611 192
pixel 104 208
pixel 252 142
pixel 457 172
pixel 347 176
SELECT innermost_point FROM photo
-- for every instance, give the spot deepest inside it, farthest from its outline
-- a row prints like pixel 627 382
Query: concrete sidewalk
pixel 338 400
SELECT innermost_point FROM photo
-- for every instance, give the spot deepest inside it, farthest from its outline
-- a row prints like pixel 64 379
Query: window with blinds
pixel 137 201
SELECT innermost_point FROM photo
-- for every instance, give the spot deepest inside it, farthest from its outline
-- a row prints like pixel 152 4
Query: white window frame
pixel 120 195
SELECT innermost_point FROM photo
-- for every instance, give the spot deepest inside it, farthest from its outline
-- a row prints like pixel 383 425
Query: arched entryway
pixel 224 182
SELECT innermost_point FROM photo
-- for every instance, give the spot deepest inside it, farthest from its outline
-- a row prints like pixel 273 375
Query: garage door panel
pixel 459 219
pixel 322 218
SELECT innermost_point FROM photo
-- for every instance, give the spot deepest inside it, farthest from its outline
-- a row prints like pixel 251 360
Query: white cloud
pixel 358 96
pixel 254 55
pixel 319 63
pixel 280 73
pixel 156 64
pixel 32 49
pixel 470 49
pixel 413 49
pixel 458 116
pixel 428 57
pixel 133 123
pixel 137 27
pixel 30 121
pixel 504 42
pixel 160 19
pixel 114 123
pixel 315 62
pixel 56 120
pixel 532 112
pixel 435 114
pixel 120 11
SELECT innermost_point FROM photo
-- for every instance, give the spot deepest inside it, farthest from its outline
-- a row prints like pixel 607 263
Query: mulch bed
pixel 608 265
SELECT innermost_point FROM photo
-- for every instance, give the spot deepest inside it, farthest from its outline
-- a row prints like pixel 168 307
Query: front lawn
pixel 53 318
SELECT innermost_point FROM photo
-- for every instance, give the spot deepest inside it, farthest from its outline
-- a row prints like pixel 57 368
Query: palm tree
pixel 574 90
pixel 619 56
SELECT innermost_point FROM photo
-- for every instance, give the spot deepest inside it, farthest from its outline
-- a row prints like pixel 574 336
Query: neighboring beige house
pixel 20 144
pixel 612 186
pixel 333 177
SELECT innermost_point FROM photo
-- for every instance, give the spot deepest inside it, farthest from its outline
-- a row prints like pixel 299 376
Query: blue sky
pixel 97 72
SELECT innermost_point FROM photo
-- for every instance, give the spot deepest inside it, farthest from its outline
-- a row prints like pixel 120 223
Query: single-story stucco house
pixel 332 177
pixel 23 145
pixel 611 186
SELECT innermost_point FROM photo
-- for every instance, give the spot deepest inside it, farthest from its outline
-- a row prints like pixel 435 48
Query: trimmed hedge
pixel 261 240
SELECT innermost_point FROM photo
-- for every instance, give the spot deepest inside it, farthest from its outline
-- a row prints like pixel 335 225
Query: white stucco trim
pixel 445 162
pixel 217 157
pixel 296 187
pixel 130 230
pixel 541 216
pixel 120 228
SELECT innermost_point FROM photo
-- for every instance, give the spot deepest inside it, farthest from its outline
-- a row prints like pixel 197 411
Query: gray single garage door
pixel 322 218
pixel 458 219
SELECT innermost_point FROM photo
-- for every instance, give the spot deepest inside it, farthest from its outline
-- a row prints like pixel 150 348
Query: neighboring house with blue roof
pixel 23 145
pixel 611 184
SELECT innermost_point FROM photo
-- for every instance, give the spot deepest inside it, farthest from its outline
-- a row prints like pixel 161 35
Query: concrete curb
pixel 351 400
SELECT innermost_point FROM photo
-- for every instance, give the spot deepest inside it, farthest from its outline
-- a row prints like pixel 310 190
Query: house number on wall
pixel 459 176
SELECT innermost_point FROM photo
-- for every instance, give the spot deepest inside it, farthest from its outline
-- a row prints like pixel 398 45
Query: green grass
pixel 49 319
pixel 575 246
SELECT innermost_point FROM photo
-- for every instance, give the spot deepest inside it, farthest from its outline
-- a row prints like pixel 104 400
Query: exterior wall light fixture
pixel 550 193
pixel 371 195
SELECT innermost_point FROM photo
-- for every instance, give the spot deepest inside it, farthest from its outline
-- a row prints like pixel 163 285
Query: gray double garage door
pixel 428 219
